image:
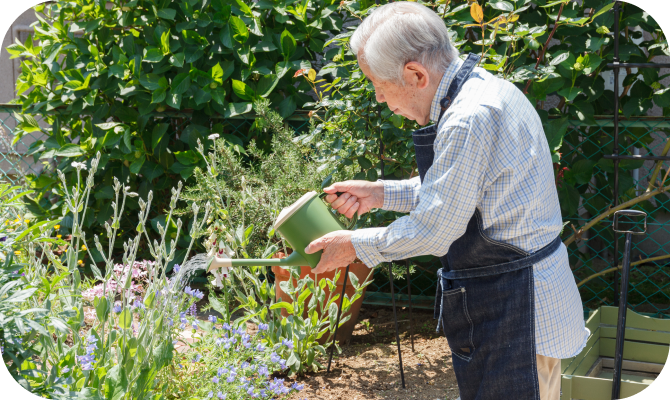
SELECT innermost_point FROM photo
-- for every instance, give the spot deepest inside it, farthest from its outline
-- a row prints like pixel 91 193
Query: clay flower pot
pixel 345 330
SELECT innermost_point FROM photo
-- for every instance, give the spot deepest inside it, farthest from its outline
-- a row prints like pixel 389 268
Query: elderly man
pixel 485 202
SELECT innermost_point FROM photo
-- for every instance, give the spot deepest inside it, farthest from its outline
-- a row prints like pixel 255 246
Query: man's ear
pixel 417 74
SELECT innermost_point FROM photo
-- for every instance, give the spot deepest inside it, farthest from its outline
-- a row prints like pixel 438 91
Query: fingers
pixel 338 187
pixel 344 208
pixel 352 210
pixel 315 246
pixel 340 201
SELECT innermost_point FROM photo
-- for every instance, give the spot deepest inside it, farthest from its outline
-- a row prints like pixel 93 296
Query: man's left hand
pixel 338 252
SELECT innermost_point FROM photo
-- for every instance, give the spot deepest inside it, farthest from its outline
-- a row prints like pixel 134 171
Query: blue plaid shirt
pixel 490 153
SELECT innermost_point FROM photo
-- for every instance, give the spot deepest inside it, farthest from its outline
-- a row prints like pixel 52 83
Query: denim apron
pixel 485 300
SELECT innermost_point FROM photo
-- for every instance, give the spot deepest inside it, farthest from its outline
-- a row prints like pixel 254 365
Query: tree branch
pixel 546 46
pixel 618 267
pixel 659 163
pixel 611 211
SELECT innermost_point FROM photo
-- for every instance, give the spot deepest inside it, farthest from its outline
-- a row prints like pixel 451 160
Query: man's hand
pixel 338 252
pixel 361 196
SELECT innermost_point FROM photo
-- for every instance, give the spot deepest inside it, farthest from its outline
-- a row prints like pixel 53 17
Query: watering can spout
pixel 294 259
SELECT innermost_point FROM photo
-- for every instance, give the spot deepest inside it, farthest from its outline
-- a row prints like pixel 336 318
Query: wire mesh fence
pixel 583 150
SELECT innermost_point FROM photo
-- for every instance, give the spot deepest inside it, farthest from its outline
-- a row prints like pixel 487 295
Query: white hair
pixel 399 32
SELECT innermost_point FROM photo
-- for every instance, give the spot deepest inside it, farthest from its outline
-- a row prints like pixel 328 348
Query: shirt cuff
pixel 402 195
pixel 365 244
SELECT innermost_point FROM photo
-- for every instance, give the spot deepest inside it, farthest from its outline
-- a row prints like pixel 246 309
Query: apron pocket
pixel 457 324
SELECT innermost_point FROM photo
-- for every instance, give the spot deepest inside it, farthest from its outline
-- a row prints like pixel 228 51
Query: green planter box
pixel 588 376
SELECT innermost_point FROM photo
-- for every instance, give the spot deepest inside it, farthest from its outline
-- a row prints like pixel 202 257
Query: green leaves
pixel 282 304
pixel 238 29
pixel 152 55
pixel 243 91
pixel 180 84
pixel 288 44
pixel 166 13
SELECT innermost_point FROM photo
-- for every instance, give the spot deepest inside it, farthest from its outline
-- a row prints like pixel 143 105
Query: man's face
pixel 404 100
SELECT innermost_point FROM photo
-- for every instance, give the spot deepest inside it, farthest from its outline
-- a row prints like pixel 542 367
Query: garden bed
pixel 368 365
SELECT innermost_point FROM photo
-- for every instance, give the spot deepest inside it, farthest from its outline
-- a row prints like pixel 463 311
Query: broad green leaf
pixel 288 44
pixel 70 150
pixel 282 68
pixel 266 84
pixel 181 83
pixel 282 304
pixel 158 95
pixel 234 109
pixel 244 8
pixel 242 90
pixel 167 13
pixel 173 100
pixel 502 6
pixel 153 81
pixel 177 59
pixel 125 319
pixel 238 29
pixel 570 93
pixel 152 55
pixel 217 73
pixel 165 43
pixel 157 134
pixel 559 58
pixel 137 165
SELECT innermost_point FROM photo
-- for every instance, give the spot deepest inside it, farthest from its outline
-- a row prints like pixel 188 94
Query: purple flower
pixel 221 371
pixel 263 327
pixel 287 343
pixel 2 239
pixel 297 386
pixel 65 370
pixel 244 365
pixel 194 324
pixel 260 347
pixel 182 325
pixel 282 363
pixel 274 357
pixel 176 271
pixel 210 395
pixel 263 371
pixel 188 290
pixel 250 392
pixel 212 319
pixel 215 380
pixel 221 395
pixel 117 308
pixel 197 358
pixel 225 326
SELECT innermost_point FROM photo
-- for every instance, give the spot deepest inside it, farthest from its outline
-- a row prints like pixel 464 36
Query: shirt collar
pixel 443 88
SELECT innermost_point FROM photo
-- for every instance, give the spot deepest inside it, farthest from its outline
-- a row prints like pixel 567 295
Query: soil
pixel 368 366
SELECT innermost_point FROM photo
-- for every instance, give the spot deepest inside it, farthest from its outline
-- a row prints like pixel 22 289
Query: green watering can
pixel 300 223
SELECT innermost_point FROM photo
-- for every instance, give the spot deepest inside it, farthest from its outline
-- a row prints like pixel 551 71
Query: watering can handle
pixel 353 220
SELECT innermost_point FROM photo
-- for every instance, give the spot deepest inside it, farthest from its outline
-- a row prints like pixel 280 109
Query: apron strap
pixel 461 76
pixel 498 269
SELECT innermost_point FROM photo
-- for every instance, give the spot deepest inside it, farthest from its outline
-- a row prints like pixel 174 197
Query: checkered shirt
pixel 490 153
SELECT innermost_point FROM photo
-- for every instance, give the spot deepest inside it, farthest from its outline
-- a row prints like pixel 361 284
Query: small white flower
pixel 213 136
pixel 79 165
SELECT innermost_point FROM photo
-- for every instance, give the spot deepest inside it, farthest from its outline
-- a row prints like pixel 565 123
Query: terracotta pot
pixel 345 330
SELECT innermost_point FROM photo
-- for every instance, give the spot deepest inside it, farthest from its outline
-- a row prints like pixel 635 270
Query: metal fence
pixel 650 282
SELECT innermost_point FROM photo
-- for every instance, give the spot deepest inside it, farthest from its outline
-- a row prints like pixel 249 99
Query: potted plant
pixel 362 274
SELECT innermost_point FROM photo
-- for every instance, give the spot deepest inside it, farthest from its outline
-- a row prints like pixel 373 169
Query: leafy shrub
pixel 111 72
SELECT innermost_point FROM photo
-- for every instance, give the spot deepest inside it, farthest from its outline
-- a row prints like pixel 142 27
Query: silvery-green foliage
pixel 130 340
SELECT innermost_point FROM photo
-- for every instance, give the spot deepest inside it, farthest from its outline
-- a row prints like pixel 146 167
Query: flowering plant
pixel 129 338
pixel 229 362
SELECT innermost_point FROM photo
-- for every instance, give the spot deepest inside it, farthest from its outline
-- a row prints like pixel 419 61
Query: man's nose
pixel 380 97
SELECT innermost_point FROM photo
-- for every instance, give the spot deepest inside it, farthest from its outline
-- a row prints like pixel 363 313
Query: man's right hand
pixel 361 196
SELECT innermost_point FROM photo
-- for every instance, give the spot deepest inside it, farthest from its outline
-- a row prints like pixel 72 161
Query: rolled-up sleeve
pixel 401 196
pixel 448 196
